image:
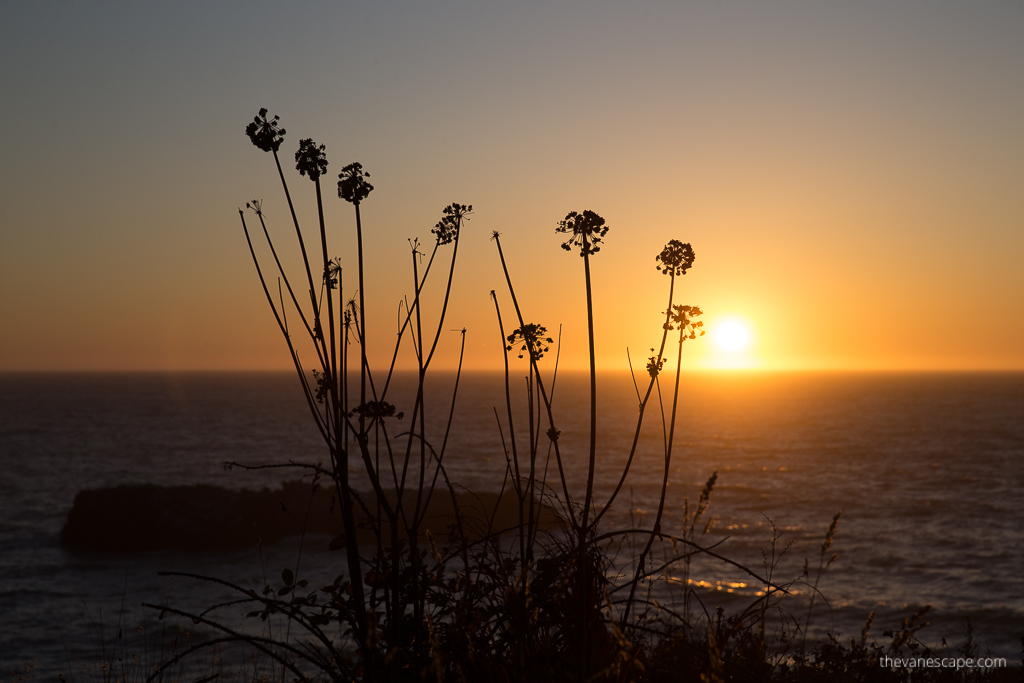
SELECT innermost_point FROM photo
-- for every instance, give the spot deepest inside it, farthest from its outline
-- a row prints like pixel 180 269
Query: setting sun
pixel 732 335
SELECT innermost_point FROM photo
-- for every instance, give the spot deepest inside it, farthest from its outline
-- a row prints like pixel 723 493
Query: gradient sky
pixel 849 174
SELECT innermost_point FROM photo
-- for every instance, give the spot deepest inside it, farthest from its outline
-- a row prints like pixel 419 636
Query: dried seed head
pixel 447 229
pixel 533 340
pixel 265 133
pixel 585 231
pixel 352 185
pixel 681 318
pixel 675 258
pixel 310 159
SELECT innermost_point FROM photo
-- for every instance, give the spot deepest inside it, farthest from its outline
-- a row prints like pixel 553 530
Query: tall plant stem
pixel 298 233
pixel 284 276
pixel 656 530
pixel 517 480
pixel 419 410
pixel 405 324
pixel 448 427
pixel 447 291
pixel 643 403
pixel 583 565
pixel 361 328
pixel 593 388
pixel 321 426
pixel 338 450
pixel 553 431
pixel 332 356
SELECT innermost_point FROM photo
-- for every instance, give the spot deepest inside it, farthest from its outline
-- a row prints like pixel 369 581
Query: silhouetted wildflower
pixel 654 365
pixel 264 132
pixel 323 386
pixel 310 159
pixel 585 231
pixel 675 258
pixel 376 410
pixel 256 205
pixel 447 229
pixel 533 340
pixel 681 318
pixel 331 272
pixel 352 185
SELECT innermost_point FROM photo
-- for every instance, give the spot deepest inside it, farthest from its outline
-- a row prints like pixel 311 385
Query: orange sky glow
pixel 849 177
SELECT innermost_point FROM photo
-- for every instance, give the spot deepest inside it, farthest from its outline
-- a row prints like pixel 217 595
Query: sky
pixel 848 174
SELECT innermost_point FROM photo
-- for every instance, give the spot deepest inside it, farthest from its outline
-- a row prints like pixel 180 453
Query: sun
pixel 731 335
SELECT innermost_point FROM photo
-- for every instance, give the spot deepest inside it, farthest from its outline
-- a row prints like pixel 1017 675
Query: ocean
pixel 927 469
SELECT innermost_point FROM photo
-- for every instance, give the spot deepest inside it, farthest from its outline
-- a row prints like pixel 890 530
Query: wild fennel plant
pixel 409 605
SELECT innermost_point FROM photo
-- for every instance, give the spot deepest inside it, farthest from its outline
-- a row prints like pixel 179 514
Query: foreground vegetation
pixel 542 592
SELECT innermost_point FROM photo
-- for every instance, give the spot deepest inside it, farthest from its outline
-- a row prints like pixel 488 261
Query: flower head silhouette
pixel 585 231
pixel 654 365
pixel 352 185
pixel 310 159
pixel 323 385
pixel 682 318
pixel 447 229
pixel 332 272
pixel 256 205
pixel 376 410
pixel 675 258
pixel 533 340
pixel 264 132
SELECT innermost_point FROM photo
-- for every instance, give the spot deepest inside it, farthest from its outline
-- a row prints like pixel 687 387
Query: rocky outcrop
pixel 151 517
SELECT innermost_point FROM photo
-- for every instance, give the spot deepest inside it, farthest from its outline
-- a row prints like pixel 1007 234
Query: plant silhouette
pixel 520 585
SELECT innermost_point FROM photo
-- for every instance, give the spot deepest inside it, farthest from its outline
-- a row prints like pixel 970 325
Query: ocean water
pixel 927 469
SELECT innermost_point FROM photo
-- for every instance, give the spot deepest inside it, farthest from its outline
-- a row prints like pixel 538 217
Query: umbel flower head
pixel 447 229
pixel 585 231
pixel 264 132
pixel 376 410
pixel 332 271
pixel 352 185
pixel 310 159
pixel 533 340
pixel 682 318
pixel 675 258
pixel 654 365
pixel 256 205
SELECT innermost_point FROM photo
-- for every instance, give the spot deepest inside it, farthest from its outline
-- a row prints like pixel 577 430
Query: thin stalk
pixel 298 233
pixel 439 457
pixel 332 365
pixel 284 276
pixel 338 450
pixel 583 565
pixel 517 480
pixel 295 358
pixel 405 324
pixel 593 387
pixel 447 291
pixel 540 386
pixel 664 484
pixel 361 328
pixel 419 409
pixel 643 403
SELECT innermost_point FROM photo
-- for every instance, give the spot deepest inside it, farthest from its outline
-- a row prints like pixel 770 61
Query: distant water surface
pixel 928 471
